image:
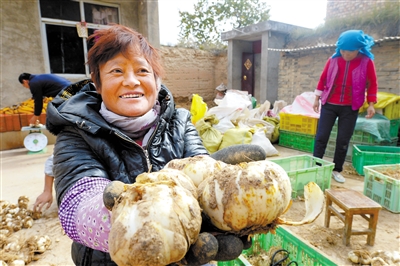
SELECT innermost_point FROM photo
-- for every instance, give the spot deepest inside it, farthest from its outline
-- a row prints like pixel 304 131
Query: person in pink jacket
pixel 348 78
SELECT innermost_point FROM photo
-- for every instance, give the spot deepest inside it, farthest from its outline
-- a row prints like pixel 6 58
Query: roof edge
pixel 259 28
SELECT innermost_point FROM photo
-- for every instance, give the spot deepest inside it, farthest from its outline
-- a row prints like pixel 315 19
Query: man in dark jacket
pixel 42 85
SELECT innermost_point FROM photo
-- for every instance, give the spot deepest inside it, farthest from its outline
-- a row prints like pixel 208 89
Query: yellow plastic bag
pixel 237 135
pixel 210 136
pixel 198 108
pixel 384 99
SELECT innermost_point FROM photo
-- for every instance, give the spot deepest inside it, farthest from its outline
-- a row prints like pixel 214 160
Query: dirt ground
pixel 329 240
pixel 22 174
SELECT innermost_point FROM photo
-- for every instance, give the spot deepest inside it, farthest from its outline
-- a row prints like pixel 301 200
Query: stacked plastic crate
pixel 297 131
pixel 380 165
pixel 366 139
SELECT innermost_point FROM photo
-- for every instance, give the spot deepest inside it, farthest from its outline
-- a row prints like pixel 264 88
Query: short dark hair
pixel 119 39
pixel 24 76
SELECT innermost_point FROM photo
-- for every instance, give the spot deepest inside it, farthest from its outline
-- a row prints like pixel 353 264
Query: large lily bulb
pixel 249 198
pixel 154 222
pixel 197 168
pixel 246 196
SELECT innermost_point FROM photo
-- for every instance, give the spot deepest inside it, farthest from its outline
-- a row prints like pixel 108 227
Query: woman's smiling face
pixel 128 85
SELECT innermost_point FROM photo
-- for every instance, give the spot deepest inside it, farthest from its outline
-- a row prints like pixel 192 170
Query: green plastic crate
pixel 330 150
pixel 357 137
pixel 366 138
pixel 299 250
pixel 296 140
pixel 394 128
pixel 236 262
pixel 331 146
pixel 303 169
pixel 382 188
pixel 374 155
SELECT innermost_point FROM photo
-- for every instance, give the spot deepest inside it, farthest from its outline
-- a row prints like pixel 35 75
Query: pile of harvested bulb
pixel 14 217
pixel 155 220
pixel 19 250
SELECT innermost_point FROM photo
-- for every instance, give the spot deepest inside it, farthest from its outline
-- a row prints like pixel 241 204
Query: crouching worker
pixel 122 125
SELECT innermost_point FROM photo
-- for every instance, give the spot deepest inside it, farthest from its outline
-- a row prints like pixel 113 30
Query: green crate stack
pixel 361 138
pixel 303 169
pixel 297 141
pixel 330 150
pixel 299 250
pixel 297 131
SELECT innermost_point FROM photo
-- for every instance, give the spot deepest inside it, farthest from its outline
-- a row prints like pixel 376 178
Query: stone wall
pixel 337 9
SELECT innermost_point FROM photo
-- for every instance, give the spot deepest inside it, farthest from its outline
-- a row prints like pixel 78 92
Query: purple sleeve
pixel 83 215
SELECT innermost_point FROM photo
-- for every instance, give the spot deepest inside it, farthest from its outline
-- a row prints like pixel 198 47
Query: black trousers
pixel 347 118
pixel 85 256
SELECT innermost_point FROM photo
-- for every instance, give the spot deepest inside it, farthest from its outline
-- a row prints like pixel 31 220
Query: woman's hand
pixel 316 104
pixel 370 111
pixel 112 192
pixel 46 198
pixel 34 120
pixel 214 244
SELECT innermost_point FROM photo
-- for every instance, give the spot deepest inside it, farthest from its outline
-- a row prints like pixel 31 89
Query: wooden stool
pixel 352 203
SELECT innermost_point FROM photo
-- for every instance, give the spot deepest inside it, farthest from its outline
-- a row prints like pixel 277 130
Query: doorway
pixel 248 73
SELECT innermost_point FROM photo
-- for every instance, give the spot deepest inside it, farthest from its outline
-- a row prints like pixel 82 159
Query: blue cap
pixel 353 40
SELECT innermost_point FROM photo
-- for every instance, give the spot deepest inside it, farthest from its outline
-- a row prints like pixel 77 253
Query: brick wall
pixel 189 71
